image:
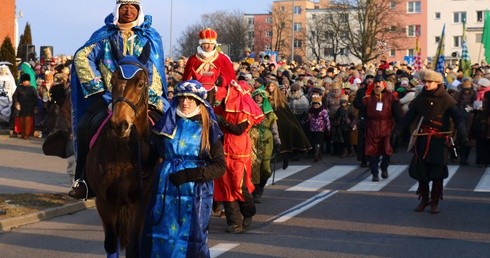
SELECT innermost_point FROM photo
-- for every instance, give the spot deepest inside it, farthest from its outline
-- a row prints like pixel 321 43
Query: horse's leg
pixel 108 217
pixel 134 246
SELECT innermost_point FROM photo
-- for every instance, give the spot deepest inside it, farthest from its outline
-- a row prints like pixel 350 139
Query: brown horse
pixel 121 163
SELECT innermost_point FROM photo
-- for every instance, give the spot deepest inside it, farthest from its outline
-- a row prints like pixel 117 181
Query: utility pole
pixel 292 32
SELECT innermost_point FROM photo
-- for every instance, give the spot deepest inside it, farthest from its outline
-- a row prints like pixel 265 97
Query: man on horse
pixel 130 30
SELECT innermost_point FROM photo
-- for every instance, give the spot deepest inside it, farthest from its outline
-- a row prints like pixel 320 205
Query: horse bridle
pixel 125 100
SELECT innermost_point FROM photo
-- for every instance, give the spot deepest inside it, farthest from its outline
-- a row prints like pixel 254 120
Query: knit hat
pixel 295 86
pixel 25 77
pixel 128 2
pixel 208 35
pixel 429 75
pixel 484 82
pixel 192 88
pixel 316 99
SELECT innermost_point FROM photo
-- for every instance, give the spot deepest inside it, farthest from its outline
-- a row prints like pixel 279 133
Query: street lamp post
pixel 292 32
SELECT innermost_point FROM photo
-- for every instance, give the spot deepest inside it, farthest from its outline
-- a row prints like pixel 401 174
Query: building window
pixel 413 30
pixel 268 47
pixel 268 34
pixel 457 41
pixel 297 43
pixel 413 7
pixel 478 37
pixel 297 10
pixel 438 15
pixel 411 52
pixel 297 26
pixel 392 52
pixel 251 21
pixel 268 20
pixel 344 51
pixel 459 17
pixel 250 34
pixel 392 5
pixel 282 9
pixel 437 39
pixel 479 16
pixel 328 51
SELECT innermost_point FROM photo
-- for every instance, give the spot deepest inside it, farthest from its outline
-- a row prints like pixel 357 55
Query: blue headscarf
pixel 168 123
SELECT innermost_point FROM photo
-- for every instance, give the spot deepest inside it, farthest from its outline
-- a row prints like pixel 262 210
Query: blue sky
pixel 67 24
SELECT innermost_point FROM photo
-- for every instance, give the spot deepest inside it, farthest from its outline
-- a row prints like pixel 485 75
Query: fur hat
pixel 414 82
pixel 316 99
pixel 208 35
pixel 429 75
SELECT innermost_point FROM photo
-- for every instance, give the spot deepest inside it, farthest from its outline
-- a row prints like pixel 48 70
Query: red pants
pixel 24 125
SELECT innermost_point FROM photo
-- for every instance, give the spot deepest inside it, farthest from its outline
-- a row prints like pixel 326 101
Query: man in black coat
pixel 432 109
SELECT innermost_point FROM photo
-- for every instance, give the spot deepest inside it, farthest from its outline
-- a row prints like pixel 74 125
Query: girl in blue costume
pixel 192 156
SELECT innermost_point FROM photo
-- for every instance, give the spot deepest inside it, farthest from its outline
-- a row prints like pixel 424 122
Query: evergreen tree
pixel 7 53
pixel 25 40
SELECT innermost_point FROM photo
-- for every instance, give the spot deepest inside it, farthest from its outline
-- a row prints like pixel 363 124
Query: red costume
pixel 207 67
pixel 239 107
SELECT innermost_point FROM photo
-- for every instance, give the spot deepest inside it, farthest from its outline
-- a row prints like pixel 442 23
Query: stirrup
pixel 77 182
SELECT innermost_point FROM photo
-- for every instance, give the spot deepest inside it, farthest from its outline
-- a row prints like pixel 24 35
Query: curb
pixel 8 224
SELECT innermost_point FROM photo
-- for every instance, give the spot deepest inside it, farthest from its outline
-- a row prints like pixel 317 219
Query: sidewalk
pixel 25 169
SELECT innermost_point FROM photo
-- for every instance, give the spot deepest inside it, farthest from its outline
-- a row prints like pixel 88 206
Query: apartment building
pixel 8 21
pixel 421 19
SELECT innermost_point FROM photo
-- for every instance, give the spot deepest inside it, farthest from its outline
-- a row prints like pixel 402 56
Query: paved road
pixel 328 209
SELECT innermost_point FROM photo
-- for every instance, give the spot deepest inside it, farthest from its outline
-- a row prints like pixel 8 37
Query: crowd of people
pixel 237 117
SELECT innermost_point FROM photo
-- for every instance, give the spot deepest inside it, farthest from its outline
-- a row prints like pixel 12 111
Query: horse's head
pixel 130 83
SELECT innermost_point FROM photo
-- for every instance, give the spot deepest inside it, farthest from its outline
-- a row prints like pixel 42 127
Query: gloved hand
pixel 187 175
pixel 179 177
pixel 277 148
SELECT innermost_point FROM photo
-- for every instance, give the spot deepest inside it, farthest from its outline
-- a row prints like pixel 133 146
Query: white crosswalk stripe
pixel 451 171
pixel 484 184
pixel 368 185
pixel 326 177
pixel 298 209
pixel 281 174
pixel 221 248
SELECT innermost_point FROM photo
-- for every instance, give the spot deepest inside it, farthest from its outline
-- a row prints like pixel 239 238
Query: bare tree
pixel 231 29
pixel 367 23
pixel 281 27
pixel 322 38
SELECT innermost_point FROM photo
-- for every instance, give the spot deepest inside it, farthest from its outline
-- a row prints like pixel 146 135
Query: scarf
pixel 481 92
pixel 195 112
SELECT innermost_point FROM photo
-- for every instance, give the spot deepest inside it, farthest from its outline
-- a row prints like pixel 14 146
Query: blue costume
pixel 178 215
pixel 92 75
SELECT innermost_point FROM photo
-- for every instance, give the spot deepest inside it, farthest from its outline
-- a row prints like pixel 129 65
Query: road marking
pixel 298 209
pixel 484 183
pixel 369 186
pixel 281 174
pixel 326 177
pixel 222 248
pixel 451 171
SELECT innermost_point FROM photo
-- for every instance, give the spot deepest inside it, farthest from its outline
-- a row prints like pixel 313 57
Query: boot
pixel 423 193
pixel 435 196
pixel 344 153
pixel 352 151
pixel 317 154
pixel 257 193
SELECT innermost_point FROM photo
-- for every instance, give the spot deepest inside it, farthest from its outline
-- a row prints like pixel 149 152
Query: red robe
pixel 239 107
pixel 208 72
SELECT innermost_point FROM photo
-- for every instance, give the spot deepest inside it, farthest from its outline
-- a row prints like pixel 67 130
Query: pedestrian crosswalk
pixel 330 175
pixel 320 185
